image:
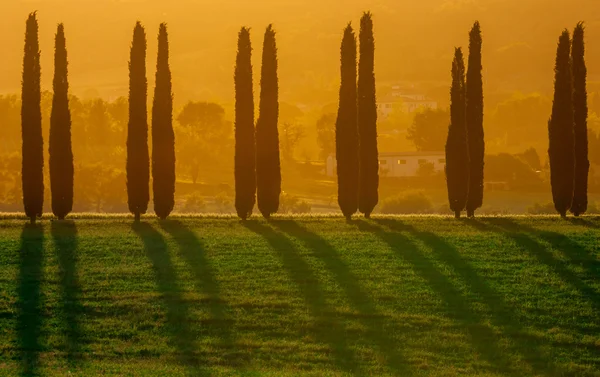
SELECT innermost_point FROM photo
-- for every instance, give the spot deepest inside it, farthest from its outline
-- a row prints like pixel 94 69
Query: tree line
pixel 257 170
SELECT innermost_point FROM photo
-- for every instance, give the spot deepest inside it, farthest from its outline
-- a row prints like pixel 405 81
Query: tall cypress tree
pixel 457 152
pixel 580 114
pixel 560 129
pixel 268 172
pixel 346 128
pixel 60 149
pixel 31 124
pixel 245 166
pixel 367 119
pixel 474 116
pixel 138 160
pixel 163 137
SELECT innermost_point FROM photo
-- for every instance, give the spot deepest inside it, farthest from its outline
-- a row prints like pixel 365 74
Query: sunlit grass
pixel 300 295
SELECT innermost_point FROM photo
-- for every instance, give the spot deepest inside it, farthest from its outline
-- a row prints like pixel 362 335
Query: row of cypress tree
pixel 465 147
pixel 257 159
pixel 567 127
pixel 60 150
pixel 356 123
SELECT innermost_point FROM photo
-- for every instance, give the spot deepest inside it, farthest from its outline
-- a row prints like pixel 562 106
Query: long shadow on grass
pixel 178 312
pixel 359 300
pixel 457 306
pixel 525 236
pixel 193 252
pixel 29 300
pixel 326 328
pixel 64 235
pixel 502 315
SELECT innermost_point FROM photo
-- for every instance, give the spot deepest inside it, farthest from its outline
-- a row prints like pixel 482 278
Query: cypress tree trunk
pixel 560 130
pixel 268 172
pixel 245 169
pixel 138 161
pixel 474 116
pixel 346 128
pixel 163 137
pixel 60 149
pixel 367 119
pixel 31 124
pixel 457 152
pixel 580 114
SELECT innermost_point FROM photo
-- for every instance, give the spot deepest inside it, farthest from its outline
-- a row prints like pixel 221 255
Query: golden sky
pixel 414 41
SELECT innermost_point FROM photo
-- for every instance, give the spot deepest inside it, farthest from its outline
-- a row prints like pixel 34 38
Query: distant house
pixel 407 103
pixel 399 164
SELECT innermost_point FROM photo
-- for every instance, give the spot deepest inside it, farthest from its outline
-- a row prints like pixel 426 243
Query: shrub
pixel 193 204
pixel 293 204
pixel 407 203
pixel 542 209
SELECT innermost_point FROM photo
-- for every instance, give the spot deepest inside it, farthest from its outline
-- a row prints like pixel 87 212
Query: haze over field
pixel 414 42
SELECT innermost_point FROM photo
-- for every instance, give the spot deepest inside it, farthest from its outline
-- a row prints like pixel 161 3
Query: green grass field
pixel 312 296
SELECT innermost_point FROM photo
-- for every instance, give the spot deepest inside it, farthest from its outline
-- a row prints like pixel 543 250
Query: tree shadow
pixel 326 327
pixel 585 222
pixel 29 300
pixel 525 235
pixel 502 315
pixel 193 252
pixel 456 305
pixel 178 317
pixel 64 235
pixel 359 300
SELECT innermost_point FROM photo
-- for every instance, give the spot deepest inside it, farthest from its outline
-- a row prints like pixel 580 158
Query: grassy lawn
pixel 301 296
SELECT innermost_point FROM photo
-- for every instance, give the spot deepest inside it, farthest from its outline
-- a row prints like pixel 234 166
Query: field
pixel 314 296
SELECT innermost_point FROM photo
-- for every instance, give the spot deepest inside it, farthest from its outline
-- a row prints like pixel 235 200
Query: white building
pixel 399 164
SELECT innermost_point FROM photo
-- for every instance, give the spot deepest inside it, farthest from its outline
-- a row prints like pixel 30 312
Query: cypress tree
pixel 580 114
pixel 367 119
pixel 31 124
pixel 457 152
pixel 474 116
pixel 346 128
pixel 245 168
pixel 163 137
pixel 268 172
pixel 560 130
pixel 138 161
pixel 60 149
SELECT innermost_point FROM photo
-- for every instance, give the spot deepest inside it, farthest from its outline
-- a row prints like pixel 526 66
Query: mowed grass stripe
pixel 301 296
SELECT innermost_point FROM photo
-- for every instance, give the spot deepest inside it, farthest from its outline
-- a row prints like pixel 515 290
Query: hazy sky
pixel 414 41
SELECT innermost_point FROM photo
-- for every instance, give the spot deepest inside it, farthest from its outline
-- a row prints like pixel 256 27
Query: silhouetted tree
pixel 457 152
pixel 367 119
pixel 268 172
pixel 245 167
pixel 560 130
pixel 138 164
pixel 60 150
pixel 31 124
pixel 163 137
pixel 580 114
pixel 346 128
pixel 474 99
